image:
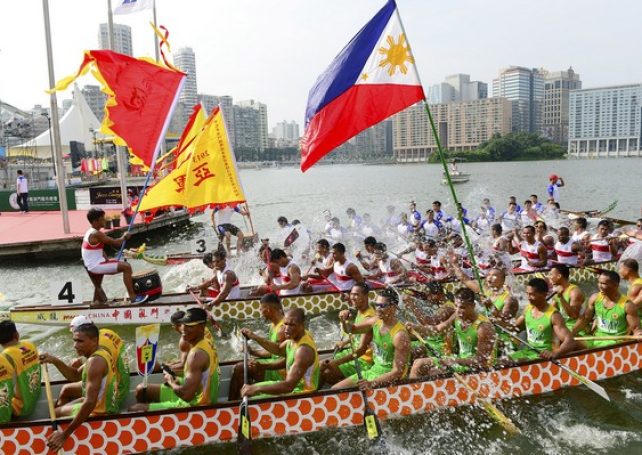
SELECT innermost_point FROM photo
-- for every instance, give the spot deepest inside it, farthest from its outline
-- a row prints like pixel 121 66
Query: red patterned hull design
pixel 138 433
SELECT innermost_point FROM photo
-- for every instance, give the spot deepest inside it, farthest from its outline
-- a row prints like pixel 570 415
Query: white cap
pixel 78 321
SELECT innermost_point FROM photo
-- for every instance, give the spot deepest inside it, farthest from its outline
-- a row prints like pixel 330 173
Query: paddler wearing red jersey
pixel 96 262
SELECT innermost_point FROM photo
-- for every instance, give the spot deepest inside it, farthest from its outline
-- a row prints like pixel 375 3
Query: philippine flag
pixel 372 78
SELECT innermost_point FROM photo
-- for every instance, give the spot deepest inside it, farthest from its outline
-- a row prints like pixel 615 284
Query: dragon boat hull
pixel 295 415
pixel 248 308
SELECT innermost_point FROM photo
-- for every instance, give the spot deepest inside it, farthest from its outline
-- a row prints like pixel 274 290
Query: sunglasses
pixel 381 306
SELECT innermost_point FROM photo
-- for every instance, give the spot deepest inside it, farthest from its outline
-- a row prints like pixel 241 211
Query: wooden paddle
pixel 244 434
pixel 50 400
pixel 611 337
pixel 370 421
pixel 582 379
pixel 489 407
pixel 215 324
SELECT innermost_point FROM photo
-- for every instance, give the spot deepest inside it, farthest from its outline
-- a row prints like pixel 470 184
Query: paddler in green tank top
pixel 99 384
pixel 443 314
pixel 498 303
pixel 342 364
pixel 569 298
pixel 475 341
pixel 23 357
pixel 299 357
pixel 630 271
pixel 542 323
pixel 391 345
pixel 609 312
pixel 265 366
pixel 6 389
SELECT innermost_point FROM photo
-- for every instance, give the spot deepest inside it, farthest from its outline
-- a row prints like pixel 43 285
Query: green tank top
pixel 208 393
pixel 384 349
pixel 440 338
pixel 273 336
pixel 570 323
pixel 310 380
pixel 6 389
pixel 113 343
pixel 24 359
pixel 467 338
pixel 356 339
pixel 611 321
pixel 108 394
pixel 498 301
pixel 539 331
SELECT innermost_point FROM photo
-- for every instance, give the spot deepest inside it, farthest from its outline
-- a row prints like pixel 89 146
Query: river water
pixel 571 421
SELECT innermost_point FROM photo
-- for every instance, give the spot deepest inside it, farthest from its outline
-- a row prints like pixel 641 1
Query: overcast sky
pixel 273 50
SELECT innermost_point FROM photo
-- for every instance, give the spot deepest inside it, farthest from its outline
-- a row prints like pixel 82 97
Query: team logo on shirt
pixel 34 380
pixel 615 316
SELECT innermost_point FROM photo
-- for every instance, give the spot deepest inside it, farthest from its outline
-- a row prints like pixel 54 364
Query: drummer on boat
pixel 299 357
pixel 474 338
pixel 224 285
pixel 96 262
pixel 265 366
pixel 342 364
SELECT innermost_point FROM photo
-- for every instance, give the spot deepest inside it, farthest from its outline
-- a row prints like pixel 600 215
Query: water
pixel 570 421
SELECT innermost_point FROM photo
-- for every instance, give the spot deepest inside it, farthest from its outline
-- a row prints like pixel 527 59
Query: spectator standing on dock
pixel 22 190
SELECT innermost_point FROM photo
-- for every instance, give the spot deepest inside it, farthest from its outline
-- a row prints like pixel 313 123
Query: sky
pixel 274 50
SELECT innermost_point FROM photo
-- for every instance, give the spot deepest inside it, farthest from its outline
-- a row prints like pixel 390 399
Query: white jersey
pixel 235 292
pixel 21 185
pixel 579 237
pixel 340 278
pixel 92 255
pixel 601 249
pixel 421 257
pixel 386 269
pixel 510 221
pixel 565 254
pixel 284 278
pixel 528 253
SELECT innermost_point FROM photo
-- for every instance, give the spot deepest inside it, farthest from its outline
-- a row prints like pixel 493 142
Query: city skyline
pixel 277 52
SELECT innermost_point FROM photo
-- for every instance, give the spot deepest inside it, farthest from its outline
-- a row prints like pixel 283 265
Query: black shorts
pixel 227 227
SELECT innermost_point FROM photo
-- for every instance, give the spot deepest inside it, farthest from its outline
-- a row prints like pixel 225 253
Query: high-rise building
pixel 95 99
pixel 185 60
pixel 286 134
pixel 261 124
pixel 557 88
pixel 457 87
pixel 605 121
pixel 461 126
pixel 123 43
pixel 524 87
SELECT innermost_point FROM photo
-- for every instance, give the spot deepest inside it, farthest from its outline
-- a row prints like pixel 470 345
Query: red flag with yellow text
pixel 141 95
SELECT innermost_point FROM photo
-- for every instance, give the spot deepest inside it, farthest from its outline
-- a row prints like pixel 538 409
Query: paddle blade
pixel 588 383
pixel 289 240
pixel 244 436
pixel 501 418
pixel 373 428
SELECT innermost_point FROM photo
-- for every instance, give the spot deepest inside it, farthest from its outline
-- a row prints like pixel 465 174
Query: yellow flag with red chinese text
pixel 205 175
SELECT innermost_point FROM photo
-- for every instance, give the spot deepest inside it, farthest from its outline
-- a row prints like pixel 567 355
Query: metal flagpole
pixel 121 165
pixel 53 103
pixel 460 215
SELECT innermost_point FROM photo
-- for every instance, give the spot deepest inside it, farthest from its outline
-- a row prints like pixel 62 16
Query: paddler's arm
pixel 96 369
pixel 294 273
pixel 70 373
pixel 461 276
pixel 363 327
pixel 541 257
pixel 567 342
pixel 574 306
pixel 515 327
pixel 632 319
pixel 399 269
pixel 303 359
pixel 511 306
pixel 587 318
pixel 101 237
pixel 274 365
pixel 270 346
pixel 354 273
pixel 401 342
pixel 198 363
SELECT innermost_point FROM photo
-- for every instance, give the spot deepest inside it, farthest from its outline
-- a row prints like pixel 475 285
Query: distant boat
pixel 456 176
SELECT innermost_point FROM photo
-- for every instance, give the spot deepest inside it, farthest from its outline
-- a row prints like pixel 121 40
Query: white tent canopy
pixel 75 125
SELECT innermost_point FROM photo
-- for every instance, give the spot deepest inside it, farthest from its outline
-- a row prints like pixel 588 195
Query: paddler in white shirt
pixel 224 285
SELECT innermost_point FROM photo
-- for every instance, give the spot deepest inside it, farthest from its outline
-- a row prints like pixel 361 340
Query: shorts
pixel 297 390
pixel 109 267
pixel 525 354
pixel 227 227
pixel 272 375
pixel 372 373
pixel 349 368
pixel 455 367
pixel 75 409
pixel 436 345
pixel 168 400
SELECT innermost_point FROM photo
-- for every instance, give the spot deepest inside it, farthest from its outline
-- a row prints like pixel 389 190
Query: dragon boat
pixel 247 307
pixel 129 433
